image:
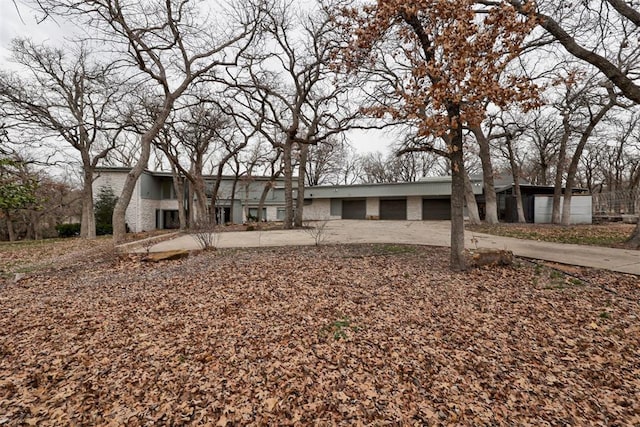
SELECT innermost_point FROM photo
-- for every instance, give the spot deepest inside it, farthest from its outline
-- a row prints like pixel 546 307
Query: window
pixel 168 192
pixel 280 214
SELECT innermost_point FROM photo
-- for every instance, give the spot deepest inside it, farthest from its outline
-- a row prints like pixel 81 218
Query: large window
pixel 168 191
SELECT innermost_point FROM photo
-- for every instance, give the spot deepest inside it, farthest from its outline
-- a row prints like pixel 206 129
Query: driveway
pixel 433 233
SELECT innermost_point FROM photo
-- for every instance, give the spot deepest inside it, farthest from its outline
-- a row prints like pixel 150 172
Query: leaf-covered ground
pixel 346 335
pixel 608 235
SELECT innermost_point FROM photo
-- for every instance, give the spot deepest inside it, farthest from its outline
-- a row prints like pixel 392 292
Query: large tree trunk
pixel 263 198
pixel 457 261
pixel 288 186
pixel 88 220
pixel 470 198
pixel 233 199
pixel 491 211
pixel 201 215
pixel 120 209
pixel 302 172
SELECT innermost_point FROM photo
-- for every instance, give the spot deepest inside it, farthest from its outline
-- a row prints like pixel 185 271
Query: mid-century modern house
pixel 154 203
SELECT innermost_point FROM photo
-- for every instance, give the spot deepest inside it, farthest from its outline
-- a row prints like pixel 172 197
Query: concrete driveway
pixel 433 233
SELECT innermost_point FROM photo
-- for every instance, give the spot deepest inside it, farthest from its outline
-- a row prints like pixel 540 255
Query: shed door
pixel 354 209
pixel 436 209
pixel 393 209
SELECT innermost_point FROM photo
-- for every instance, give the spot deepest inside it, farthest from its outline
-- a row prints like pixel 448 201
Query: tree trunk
pixel 515 173
pixel 178 187
pixel 201 201
pixel 288 186
pixel 302 172
pixel 120 209
pixel 233 199
pixel 470 198
pixel 573 166
pixel 458 262
pixel 10 231
pixel 491 211
pixel 263 198
pixel 557 186
pixel 88 220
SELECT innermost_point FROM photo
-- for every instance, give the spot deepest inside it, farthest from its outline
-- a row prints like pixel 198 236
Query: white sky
pixel 22 22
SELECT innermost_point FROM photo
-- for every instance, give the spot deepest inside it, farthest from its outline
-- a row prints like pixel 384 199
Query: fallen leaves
pixel 330 335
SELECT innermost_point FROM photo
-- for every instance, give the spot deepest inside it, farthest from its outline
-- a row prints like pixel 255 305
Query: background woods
pixel 541 93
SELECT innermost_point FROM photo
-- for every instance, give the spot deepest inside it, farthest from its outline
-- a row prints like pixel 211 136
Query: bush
pixel 103 208
pixel 68 230
pixel 104 229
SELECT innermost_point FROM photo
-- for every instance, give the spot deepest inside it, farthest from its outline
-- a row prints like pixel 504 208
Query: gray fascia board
pixel 432 187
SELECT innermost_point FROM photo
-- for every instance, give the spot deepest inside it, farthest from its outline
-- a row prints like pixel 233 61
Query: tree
pixel 17 190
pixel 68 96
pixel 172 45
pixel 293 93
pixel 104 205
pixel 449 56
pixel 614 23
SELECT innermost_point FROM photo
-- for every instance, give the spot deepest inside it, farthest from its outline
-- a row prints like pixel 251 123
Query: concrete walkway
pixel 434 233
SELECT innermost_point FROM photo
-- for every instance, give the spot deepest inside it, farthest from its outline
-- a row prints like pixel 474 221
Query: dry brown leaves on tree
pixel 347 335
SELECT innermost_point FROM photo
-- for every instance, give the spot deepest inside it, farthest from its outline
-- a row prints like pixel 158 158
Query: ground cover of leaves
pixel 609 235
pixel 330 335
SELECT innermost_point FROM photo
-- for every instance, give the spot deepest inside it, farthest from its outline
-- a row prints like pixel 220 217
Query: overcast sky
pixel 22 22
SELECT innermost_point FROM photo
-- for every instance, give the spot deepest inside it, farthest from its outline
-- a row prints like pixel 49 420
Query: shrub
pixel 104 229
pixel 68 230
pixel 103 208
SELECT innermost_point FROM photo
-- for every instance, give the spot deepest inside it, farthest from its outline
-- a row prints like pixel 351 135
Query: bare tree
pixel 448 60
pixel 602 33
pixel 294 93
pixel 68 96
pixel 171 44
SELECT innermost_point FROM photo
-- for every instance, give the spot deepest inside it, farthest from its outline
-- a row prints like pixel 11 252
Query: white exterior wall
pixel 319 209
pixel 147 215
pixel 116 180
pixel 373 207
pixel 580 209
pixel 414 208
pixel 272 213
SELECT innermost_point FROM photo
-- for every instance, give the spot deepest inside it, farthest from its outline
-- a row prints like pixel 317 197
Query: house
pixel 154 203
pixel 427 199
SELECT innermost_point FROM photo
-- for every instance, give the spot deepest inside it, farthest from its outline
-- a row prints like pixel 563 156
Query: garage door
pixel 354 209
pixel 393 209
pixel 436 209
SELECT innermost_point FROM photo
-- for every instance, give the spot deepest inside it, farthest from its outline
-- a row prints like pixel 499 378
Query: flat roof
pixel 432 186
